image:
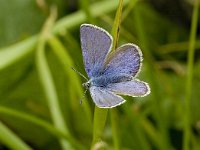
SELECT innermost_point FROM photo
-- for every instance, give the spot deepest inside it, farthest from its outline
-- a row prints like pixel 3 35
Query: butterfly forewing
pixel 95 44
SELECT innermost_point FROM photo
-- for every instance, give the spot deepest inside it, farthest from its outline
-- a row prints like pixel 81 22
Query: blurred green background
pixel 40 93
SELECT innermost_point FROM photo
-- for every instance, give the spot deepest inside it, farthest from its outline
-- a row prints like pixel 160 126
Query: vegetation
pixel 40 93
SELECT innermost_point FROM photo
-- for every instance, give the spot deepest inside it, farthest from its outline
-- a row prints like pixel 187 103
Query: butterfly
pixel 111 73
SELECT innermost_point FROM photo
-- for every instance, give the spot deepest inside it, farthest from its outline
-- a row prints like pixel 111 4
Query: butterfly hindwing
pixel 133 88
pixel 104 98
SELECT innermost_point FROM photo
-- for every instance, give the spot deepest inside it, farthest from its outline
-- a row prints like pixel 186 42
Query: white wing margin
pixel 104 98
pixel 95 43
pixel 133 88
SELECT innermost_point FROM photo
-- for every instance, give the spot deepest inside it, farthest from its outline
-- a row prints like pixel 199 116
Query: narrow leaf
pixel 11 140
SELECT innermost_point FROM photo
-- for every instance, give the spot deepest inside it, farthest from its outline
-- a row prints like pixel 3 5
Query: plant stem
pixel 100 116
pixel 116 25
pixel 190 64
pixel 115 129
pixel 115 34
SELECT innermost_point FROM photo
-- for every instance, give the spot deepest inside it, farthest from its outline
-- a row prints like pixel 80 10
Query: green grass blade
pixel 138 131
pixel 152 70
pixel 9 55
pixel 48 84
pixel 97 9
pixel 176 47
pixel 190 65
pixel 61 52
pixel 11 140
pixel 115 34
pixel 115 128
pixel 39 122
pixel 153 134
pixel 29 118
pixel 129 8
pixel 85 7
pixel 116 25
pixel 100 116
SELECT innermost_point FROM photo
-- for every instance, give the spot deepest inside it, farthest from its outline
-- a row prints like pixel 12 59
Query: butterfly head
pixel 86 85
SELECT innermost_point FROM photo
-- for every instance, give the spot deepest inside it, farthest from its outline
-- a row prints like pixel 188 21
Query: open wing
pixel 95 44
pixel 131 88
pixel 105 99
pixel 127 59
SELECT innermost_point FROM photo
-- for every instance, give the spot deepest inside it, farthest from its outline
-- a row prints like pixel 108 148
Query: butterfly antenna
pixel 81 100
pixel 79 73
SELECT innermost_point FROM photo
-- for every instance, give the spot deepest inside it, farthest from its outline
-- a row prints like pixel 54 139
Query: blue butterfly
pixel 110 73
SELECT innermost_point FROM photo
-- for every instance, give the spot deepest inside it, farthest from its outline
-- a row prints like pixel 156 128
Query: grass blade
pixel 158 112
pixel 47 82
pixel 39 122
pixel 85 7
pixel 190 64
pixel 11 140
pixel 115 129
pixel 115 34
pixel 116 25
pixel 65 59
pixel 9 55
pixel 100 116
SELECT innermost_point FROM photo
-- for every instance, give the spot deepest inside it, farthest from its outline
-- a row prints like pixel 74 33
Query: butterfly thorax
pixel 104 80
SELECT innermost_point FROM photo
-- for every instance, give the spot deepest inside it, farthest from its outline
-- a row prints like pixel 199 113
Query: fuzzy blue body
pixel 104 80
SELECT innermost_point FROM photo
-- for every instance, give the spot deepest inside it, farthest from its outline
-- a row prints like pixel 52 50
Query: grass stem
pixel 100 116
pixel 190 65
